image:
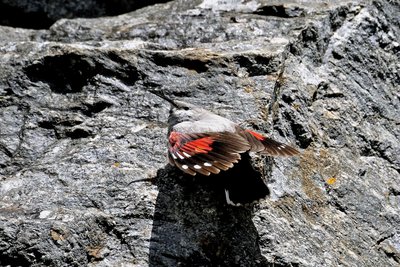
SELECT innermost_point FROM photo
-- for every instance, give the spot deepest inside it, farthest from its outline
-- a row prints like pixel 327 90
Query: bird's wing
pixel 265 145
pixel 205 153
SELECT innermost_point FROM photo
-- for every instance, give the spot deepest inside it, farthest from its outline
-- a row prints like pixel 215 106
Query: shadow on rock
pixel 194 226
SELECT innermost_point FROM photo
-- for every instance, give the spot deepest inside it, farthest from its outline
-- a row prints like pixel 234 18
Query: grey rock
pixel 40 14
pixel 84 179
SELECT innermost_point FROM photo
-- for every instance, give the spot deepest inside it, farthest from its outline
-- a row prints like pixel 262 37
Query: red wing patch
pixel 205 153
pixel 259 137
pixel 202 145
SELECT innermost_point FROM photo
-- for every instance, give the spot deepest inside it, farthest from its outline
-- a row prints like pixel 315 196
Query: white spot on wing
pixel 197 166
pixel 185 167
pixel 179 155
pixel 173 155
pixel 186 154
pixel 207 164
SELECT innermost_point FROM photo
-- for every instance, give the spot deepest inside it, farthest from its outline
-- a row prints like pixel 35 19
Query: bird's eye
pixel 185 108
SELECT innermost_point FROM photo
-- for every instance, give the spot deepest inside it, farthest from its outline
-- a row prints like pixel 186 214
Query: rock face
pixel 84 179
pixel 39 14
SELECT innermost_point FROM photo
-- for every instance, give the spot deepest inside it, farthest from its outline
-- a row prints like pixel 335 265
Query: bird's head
pixel 182 111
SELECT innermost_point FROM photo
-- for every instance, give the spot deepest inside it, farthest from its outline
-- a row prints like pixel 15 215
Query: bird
pixel 202 142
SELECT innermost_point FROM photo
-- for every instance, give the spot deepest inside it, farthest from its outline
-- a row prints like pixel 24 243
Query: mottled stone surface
pixel 40 14
pixel 84 179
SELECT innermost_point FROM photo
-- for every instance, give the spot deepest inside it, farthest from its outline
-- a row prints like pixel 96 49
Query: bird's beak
pixel 160 94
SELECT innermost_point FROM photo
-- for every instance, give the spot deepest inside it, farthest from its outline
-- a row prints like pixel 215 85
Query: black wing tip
pixel 279 149
pixel 290 151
